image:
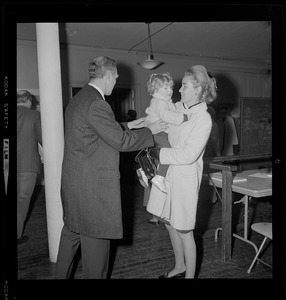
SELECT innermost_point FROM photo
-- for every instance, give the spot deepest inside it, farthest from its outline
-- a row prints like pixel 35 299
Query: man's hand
pixel 139 123
pixel 158 126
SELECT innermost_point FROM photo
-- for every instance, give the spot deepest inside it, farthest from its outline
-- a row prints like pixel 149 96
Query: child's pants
pixel 161 141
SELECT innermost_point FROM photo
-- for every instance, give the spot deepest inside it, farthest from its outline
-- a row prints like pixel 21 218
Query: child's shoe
pixel 142 177
pixel 159 182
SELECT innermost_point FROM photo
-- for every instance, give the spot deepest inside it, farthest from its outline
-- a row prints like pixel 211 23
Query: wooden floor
pixel 145 251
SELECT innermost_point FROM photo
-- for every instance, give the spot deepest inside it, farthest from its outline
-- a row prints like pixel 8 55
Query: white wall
pixel 234 79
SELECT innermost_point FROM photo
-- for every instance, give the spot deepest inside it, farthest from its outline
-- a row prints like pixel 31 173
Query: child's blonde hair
pixel 156 81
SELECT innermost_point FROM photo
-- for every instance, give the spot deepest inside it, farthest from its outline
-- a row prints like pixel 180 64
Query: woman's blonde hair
pixel 199 76
pixel 156 81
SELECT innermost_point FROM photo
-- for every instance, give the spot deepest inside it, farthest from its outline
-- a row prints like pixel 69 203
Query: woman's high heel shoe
pixel 177 276
pixel 153 222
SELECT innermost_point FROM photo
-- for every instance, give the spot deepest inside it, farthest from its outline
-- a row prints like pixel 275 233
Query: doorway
pixel 121 100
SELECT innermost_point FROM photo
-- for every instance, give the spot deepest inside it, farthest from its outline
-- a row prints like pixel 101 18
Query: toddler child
pixel 160 87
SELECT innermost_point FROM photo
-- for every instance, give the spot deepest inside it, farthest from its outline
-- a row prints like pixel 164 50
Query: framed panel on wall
pixel 255 125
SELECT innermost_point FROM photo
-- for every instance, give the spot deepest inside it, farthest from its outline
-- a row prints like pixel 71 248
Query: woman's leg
pixel 178 249
pixel 190 252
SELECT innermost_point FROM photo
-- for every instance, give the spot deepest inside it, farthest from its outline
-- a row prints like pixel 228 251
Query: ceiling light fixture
pixel 150 63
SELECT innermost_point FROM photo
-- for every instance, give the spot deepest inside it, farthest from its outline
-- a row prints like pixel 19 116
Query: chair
pixel 264 229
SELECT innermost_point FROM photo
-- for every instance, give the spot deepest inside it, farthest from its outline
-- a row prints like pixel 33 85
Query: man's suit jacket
pixel 28 135
pixel 90 171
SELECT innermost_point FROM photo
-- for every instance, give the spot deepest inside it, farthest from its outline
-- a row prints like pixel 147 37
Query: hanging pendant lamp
pixel 150 63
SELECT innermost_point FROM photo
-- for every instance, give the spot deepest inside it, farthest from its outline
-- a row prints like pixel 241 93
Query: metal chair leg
pixel 217 232
pixel 256 256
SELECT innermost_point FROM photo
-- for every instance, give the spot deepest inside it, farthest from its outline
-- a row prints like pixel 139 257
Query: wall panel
pixel 235 78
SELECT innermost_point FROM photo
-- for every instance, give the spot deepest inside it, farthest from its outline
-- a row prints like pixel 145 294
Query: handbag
pixel 147 163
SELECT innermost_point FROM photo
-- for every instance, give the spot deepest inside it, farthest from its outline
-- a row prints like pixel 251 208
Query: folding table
pixel 257 184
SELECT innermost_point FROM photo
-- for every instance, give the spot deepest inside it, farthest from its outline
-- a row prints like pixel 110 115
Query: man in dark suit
pixel 29 134
pixel 90 172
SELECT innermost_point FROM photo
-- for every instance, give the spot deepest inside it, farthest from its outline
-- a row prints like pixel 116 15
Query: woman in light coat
pixel 177 209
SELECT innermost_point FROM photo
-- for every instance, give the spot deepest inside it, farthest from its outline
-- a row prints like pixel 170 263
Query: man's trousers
pixel 25 187
pixel 94 255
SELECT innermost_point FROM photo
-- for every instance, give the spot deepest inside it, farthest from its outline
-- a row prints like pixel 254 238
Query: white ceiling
pixel 247 41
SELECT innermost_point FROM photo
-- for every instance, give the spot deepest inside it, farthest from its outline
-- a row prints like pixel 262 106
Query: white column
pixel 51 108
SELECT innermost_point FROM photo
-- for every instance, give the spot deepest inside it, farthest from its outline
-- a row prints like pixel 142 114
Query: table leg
pixel 226 215
pixel 245 201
